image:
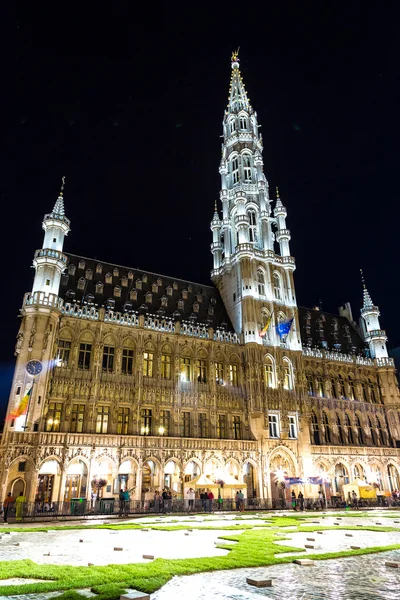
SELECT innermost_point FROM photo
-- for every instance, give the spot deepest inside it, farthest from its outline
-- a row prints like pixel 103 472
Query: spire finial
pixel 277 193
pixel 363 279
pixel 215 206
pixel 235 56
pixel 62 185
pixel 59 205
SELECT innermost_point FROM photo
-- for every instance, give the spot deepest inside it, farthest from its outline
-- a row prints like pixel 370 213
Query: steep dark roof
pixel 324 330
pixel 202 305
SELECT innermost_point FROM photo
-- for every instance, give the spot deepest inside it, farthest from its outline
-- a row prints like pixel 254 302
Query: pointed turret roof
pixel 238 99
pixel 367 301
pixel 59 205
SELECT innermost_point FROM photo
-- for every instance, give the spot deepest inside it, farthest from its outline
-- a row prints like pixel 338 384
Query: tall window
pixel 246 160
pixel 166 366
pixel 186 369
pixel 334 393
pixel 85 352
pixel 342 388
pixel 165 418
pixel 203 429
pixel 63 351
pixel 219 372
pixel 360 433
pixel 235 170
pixel 352 389
pixel 320 387
pixel 393 477
pixel 252 226
pixel 237 428
pixel 108 359
pixel 325 422
pixel 53 418
pixel 261 282
pixel 243 123
pixel 350 434
pixel 201 370
pixel 288 375
pixel 77 416
pixel 341 435
pixel 273 424
pixel 276 280
pixel 127 361
pixel 269 374
pixel 103 415
pixel 310 384
pixel 148 364
pixel 221 426
pixel 185 424
pixel 292 427
pixel 146 417
pixel 233 375
pixel 123 420
pixel 232 126
pixel 315 429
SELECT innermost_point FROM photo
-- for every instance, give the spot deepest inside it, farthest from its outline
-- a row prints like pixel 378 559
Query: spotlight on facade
pixel 161 430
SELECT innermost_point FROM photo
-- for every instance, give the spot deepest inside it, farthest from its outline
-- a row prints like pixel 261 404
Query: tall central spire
pixel 59 205
pixel 238 99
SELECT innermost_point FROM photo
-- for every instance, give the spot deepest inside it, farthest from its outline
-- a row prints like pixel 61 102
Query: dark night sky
pixel 129 106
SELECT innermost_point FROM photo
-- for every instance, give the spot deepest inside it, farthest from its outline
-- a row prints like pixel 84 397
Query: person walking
pixel 127 502
pixel 121 502
pixel 6 506
pixel 191 495
pixel 204 500
pixel 354 499
pixel 210 501
pixel 300 498
pixel 241 501
pixel 156 501
pixel 19 506
pixel 293 500
pixel 237 501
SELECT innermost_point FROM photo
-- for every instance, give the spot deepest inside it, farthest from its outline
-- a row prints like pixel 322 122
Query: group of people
pixel 207 498
pixel 352 499
pixel 298 503
pixel 124 502
pixel 239 501
pixel 163 501
pixel 10 503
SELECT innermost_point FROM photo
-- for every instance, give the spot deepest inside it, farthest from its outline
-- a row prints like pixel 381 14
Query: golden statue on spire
pixel 235 55
pixel 62 185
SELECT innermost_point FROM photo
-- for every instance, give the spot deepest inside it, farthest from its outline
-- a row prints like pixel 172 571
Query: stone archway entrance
pixel 281 466
pixel 341 477
pixel 75 480
pixel 48 482
pixel 250 480
pixel 17 487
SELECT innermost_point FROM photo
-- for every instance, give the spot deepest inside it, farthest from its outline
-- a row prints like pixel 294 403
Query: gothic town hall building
pixel 148 381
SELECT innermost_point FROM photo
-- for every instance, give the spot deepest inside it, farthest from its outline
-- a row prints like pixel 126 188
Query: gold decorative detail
pixel 235 55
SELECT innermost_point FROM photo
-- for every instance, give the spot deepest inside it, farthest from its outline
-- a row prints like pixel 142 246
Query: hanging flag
pixel 267 324
pixel 283 328
pixel 22 407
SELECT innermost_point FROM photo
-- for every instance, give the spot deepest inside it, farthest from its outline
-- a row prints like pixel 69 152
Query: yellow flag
pixel 22 407
pixel 264 331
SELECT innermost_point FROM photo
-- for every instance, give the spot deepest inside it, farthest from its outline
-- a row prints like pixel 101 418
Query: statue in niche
pixel 32 338
pixel 18 345
pixel 46 340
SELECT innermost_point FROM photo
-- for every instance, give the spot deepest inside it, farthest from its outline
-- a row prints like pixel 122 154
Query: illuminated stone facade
pixel 149 381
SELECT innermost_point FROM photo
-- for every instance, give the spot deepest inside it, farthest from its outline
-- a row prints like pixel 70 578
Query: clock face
pixel 34 367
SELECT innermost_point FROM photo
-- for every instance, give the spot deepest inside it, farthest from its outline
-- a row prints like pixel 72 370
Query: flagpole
pixel 29 405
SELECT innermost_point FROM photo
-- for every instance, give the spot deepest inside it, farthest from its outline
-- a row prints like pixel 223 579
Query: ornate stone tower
pixel 254 279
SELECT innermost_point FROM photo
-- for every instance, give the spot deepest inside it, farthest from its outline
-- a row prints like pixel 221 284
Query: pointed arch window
pixel 232 126
pixel 261 282
pixel 235 169
pixel 246 161
pixel 393 477
pixel 310 384
pixel 325 422
pixel 99 287
pixel 352 389
pixel 252 225
pixel 320 387
pixel 99 268
pixel 276 280
pixel 360 433
pixel 243 123
pixel 269 369
pixel 350 434
pixel 288 383
pixel 342 388
pixel 333 388
pixel 341 436
pixel 315 434
pixel 81 283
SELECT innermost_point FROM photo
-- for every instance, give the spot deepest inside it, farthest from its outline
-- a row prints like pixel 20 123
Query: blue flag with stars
pixel 284 328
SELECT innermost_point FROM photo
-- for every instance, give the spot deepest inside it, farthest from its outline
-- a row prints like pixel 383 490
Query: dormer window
pixel 99 268
pixel 70 294
pixel 82 264
pixel 133 295
pixel 243 123
pixel 144 278
pixel 111 303
pixel 117 291
pixel 149 297
pixel 199 298
pixel 81 283
pixel 138 284
pixel 184 294
pixel 181 305
pixel 169 290
pixel 130 275
pixel 213 301
pixel 164 301
pixel 154 288
pixel 108 278
pixel 211 311
pixel 124 282
pixel 99 287
pixel 89 274
pixel 116 272
pixel 190 288
pixel 71 269
pixel 89 298
pixel 175 285
pixel 196 307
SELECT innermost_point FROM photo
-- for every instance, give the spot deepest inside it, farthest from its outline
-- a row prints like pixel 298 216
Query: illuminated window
pixel 53 417
pixel 200 370
pixel 77 417
pixel 99 268
pixel 108 278
pixel 352 390
pixel 243 123
pixel 63 351
pixel 166 366
pixel 288 375
pixel 233 375
pixel 261 282
pixel 123 420
pixel 165 418
pixel 99 287
pixel 103 414
pixel 186 369
pixel 185 424
pixel 148 364
pixel 237 428
pixel 89 274
pixel 232 126
pixel 203 429
pixel 320 387
pixel 292 427
pixel 269 370
pixel 235 170
pixel 273 424
pixel 219 372
pixel 246 160
pixel 116 272
pixel 252 226
pixel 81 283
pixel 146 421
pixel 221 426
pixel 127 361
pixel 276 280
